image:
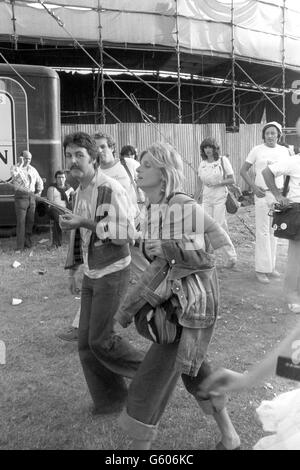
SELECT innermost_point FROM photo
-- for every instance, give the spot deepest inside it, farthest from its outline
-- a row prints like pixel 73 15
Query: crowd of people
pixel 131 216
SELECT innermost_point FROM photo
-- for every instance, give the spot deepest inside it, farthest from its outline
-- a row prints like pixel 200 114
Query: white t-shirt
pixel 212 173
pixel 118 172
pixel 290 167
pixel 261 156
pixel 28 178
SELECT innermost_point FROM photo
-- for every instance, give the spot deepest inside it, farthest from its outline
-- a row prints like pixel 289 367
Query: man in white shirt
pixel 123 170
pixel 291 168
pixel 25 202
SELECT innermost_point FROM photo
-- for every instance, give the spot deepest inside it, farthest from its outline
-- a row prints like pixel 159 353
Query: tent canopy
pixel 206 27
pixel 245 43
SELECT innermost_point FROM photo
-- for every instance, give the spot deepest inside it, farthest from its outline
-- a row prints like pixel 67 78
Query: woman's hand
pixel 70 221
pixel 283 201
pixel 154 248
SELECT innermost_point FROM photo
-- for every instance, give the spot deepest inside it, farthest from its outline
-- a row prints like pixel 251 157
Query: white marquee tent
pixel 264 31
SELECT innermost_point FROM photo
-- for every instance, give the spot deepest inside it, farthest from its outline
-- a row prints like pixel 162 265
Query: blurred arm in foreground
pixel 225 380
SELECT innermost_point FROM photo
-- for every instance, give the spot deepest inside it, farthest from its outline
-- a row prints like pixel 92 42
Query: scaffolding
pixel 221 87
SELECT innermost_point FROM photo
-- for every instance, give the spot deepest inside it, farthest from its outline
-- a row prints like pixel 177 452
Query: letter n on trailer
pixel 7 132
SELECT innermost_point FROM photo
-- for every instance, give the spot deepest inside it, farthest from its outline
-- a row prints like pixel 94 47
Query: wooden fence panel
pixel 186 138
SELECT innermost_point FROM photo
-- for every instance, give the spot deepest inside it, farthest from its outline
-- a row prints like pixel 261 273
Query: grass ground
pixel 44 401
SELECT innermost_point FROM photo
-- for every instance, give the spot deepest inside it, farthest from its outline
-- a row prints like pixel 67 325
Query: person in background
pixel 128 151
pixel 288 167
pixel 123 170
pixel 215 173
pixel 60 193
pixel 27 183
pixel 101 228
pixel 260 156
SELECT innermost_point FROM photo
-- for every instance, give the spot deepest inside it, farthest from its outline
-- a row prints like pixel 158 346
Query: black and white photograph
pixel 149 227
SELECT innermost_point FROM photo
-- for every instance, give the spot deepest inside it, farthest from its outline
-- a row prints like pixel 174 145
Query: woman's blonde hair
pixel 168 160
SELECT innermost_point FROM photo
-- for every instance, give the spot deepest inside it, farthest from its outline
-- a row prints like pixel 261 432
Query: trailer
pixel 30 120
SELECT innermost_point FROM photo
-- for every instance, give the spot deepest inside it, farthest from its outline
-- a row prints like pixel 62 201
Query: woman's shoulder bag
pixel 286 219
pixel 231 203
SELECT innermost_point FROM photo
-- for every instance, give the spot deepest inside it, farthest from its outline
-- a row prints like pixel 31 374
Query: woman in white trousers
pixel 215 173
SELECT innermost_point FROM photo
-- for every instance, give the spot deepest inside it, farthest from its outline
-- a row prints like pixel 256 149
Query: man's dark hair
pixel 127 150
pixel 58 173
pixel 81 139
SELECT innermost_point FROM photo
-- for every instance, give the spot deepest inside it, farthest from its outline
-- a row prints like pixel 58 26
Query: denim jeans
pixel 56 230
pixel 105 356
pixel 152 387
pixel 25 210
pixel 292 277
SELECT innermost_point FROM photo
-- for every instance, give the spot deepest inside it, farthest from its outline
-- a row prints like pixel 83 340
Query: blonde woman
pixel 173 235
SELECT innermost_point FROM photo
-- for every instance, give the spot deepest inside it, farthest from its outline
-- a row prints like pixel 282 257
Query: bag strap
pixel 286 185
pixel 175 194
pixel 224 176
pixel 222 163
pixel 123 162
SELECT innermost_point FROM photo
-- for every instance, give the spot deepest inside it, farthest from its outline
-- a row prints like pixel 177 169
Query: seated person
pixel 60 193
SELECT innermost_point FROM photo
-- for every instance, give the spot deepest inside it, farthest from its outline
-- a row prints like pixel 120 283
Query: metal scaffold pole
pixel 233 67
pixel 103 115
pixel 283 67
pixel 15 36
pixel 178 64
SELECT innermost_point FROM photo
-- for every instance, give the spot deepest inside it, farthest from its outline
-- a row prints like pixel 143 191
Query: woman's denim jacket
pixel 178 265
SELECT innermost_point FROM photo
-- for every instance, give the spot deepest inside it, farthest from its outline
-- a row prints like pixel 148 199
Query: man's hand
pixel 70 221
pixel 20 161
pixel 259 191
pixel 74 283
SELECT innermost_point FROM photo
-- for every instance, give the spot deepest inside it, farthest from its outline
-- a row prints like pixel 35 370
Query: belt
pixel 267 189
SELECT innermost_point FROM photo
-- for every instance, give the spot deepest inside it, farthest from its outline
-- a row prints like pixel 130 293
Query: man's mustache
pixel 74 167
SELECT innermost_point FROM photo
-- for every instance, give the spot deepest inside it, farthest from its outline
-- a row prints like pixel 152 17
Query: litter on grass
pixel 16 264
